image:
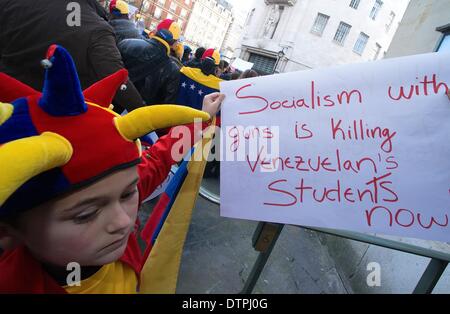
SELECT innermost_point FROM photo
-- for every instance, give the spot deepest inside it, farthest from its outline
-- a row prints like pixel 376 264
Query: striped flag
pixel 168 225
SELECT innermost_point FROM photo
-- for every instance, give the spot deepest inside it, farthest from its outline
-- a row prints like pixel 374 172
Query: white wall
pixel 417 32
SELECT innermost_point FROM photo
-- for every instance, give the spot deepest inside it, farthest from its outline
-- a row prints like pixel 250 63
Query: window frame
pixel 355 4
pixel 173 7
pixel 344 37
pixel 362 38
pixel 445 30
pixel 392 17
pixel 160 10
pixel 376 9
pixel 327 18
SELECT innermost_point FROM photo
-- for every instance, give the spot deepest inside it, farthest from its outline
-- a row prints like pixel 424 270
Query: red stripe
pixel 153 223
pixel 155 218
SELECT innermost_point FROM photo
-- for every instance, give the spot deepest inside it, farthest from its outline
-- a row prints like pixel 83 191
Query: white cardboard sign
pixel 241 65
pixel 362 147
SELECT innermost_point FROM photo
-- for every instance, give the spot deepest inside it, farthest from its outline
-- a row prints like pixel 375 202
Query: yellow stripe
pixel 6 111
pixel 160 271
pixel 164 43
pixel 197 75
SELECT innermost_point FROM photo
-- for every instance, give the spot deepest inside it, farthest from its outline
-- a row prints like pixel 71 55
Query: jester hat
pixel 62 139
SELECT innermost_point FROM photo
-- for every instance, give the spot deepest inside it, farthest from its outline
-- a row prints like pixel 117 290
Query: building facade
pixel 154 11
pixel 208 24
pixel 234 34
pixel 428 22
pixel 290 35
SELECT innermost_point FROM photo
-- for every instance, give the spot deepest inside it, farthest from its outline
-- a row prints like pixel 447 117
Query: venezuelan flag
pixel 194 85
pixel 168 225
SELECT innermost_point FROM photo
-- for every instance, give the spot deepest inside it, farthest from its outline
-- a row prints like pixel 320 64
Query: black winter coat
pixel 151 70
pixel 29 27
pixel 124 29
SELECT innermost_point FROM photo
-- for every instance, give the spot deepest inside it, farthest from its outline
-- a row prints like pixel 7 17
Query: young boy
pixel 72 179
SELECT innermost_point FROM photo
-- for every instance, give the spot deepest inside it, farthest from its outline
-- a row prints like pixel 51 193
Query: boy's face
pixel 90 226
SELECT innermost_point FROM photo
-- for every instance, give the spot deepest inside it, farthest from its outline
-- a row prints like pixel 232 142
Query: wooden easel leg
pixel 264 239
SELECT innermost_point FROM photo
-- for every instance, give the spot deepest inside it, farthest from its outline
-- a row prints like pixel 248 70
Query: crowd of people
pixel 104 43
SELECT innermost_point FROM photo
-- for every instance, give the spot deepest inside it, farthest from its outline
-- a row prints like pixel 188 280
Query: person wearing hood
pixel 176 54
pixel 186 54
pixel 197 60
pixel 195 83
pixel 74 174
pixel 150 67
pixel 123 27
pixel 28 28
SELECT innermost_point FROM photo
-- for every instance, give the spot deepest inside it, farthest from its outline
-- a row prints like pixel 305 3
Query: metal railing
pixel 429 279
pixel 264 242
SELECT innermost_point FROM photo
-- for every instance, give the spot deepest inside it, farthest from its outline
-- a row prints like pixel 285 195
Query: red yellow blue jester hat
pixel 62 139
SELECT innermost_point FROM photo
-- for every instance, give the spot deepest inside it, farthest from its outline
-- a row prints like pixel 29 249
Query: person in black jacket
pixel 119 20
pixel 29 27
pixel 99 8
pixel 150 68
pixel 197 60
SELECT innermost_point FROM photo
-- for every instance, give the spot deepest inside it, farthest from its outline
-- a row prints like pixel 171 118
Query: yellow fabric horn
pixel 25 158
pixel 6 110
pixel 147 119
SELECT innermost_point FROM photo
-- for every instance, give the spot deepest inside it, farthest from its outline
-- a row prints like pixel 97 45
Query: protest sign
pixel 241 65
pixel 362 147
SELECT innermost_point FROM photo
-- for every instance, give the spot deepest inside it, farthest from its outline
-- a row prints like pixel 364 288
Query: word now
pixel 405 218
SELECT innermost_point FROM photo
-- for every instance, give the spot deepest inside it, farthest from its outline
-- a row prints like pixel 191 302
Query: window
pixel 262 64
pixel 354 4
pixel 145 6
pixel 361 43
pixel 445 43
pixel 342 33
pixel 376 9
pixel 169 16
pixel 183 13
pixel 319 24
pixel 391 21
pixel 377 51
pixel 187 2
pixel 173 7
pixel 157 13
pixel 162 2
pixel 153 25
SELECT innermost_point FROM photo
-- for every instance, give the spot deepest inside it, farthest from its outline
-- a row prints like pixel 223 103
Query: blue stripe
pixel 36 191
pixel 172 192
pixel 40 188
pixel 19 125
